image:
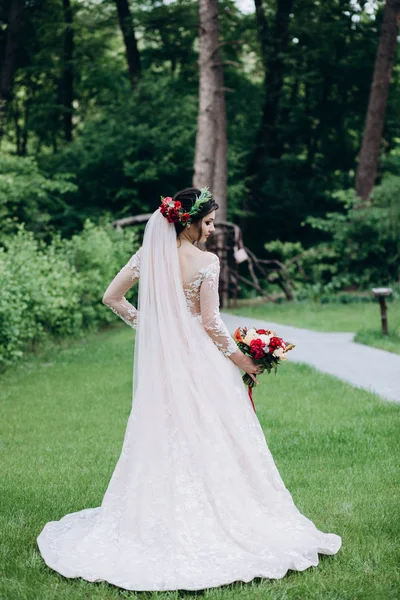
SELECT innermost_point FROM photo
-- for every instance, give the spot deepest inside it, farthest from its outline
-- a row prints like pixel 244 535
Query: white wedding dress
pixel 195 500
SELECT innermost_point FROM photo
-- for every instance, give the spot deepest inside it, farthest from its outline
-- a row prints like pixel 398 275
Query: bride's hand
pixel 246 363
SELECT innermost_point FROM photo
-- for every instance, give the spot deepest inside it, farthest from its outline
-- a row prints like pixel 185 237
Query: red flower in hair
pixel 173 211
pixel 262 331
pixel 173 215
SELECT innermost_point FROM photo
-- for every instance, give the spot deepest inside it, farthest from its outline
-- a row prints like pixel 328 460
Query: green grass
pixel 361 318
pixel 63 418
pixel 372 337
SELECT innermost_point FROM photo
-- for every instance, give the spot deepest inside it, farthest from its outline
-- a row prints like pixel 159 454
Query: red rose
pixel 185 217
pixel 163 209
pixel 275 343
pixel 262 331
pixel 173 215
pixel 256 348
pixel 177 204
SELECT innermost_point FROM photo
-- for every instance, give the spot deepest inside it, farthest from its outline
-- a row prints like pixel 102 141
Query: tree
pixel 369 154
pixel 273 48
pixel 67 82
pixel 204 163
pixel 210 167
pixel 12 41
pixel 128 32
pixel 220 176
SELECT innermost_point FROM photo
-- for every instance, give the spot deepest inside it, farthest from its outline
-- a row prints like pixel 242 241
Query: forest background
pixel 98 117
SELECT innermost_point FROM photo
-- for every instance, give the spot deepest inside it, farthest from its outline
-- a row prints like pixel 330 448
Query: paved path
pixel 336 353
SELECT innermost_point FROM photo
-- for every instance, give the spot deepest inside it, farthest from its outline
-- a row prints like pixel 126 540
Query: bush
pixel 56 289
pixel 362 249
pixel 365 239
pixel 97 254
pixel 28 196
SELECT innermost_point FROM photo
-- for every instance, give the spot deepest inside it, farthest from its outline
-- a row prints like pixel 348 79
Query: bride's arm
pixel 213 324
pixel 114 296
pixel 209 307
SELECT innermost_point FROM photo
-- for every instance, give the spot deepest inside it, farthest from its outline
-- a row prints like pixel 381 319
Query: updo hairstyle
pixel 187 198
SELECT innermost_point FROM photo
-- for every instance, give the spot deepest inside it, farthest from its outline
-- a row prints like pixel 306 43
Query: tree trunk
pixel 219 184
pixel 210 165
pixel 128 32
pixel 206 138
pixel 369 154
pixel 21 132
pixel 67 83
pixel 13 34
pixel 268 143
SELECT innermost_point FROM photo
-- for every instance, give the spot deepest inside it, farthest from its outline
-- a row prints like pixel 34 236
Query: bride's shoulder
pixel 210 257
pixel 210 266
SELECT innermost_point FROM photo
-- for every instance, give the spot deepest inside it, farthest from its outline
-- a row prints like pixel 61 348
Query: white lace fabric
pixel 195 500
pixel 114 296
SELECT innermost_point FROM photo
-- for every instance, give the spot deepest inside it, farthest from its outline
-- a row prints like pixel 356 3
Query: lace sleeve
pixel 114 296
pixel 209 307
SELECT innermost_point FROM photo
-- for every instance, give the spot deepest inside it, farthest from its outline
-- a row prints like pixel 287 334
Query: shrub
pixel 362 248
pixel 28 196
pixel 365 238
pixel 56 289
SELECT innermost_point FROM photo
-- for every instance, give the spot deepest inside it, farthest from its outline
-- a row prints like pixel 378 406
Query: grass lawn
pixel 63 418
pixel 361 318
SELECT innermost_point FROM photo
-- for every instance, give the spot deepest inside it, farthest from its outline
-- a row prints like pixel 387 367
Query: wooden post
pixel 382 294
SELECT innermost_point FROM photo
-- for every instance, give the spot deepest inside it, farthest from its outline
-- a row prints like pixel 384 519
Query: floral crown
pixel 173 211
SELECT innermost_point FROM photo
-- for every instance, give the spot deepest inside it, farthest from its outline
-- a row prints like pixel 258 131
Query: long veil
pixel 165 327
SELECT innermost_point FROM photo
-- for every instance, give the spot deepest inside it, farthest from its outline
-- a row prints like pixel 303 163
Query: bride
pixel 195 500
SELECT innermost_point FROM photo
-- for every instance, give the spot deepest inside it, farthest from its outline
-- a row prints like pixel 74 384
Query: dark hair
pixel 187 198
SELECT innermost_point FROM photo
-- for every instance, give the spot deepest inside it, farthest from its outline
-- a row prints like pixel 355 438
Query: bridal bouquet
pixel 265 347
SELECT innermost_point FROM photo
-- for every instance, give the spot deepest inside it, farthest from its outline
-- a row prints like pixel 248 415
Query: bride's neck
pixel 184 242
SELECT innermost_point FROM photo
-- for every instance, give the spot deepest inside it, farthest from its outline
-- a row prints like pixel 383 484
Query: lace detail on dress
pixel 218 331
pixel 114 296
pixel 134 265
pixel 192 294
pixel 127 312
pixel 209 306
